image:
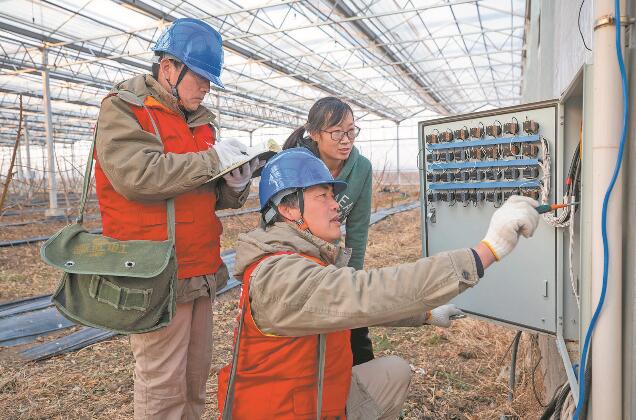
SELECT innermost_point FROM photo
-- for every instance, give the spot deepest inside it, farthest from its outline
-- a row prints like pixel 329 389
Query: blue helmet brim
pixel 338 187
pixel 208 76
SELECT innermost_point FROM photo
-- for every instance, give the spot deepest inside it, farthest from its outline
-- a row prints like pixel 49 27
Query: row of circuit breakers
pixel 483 163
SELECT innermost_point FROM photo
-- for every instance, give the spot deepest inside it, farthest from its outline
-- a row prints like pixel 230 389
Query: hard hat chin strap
pixel 173 88
pixel 272 209
pixel 300 223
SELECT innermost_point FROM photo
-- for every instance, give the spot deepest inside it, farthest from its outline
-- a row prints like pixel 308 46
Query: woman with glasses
pixel 329 134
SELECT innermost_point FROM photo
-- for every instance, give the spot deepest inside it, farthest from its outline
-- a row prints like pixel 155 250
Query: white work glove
pixel 229 152
pixel 442 315
pixel 518 215
pixel 241 176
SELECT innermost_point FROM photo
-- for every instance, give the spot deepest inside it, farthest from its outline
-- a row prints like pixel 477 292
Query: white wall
pixel 554 54
pixel 554 49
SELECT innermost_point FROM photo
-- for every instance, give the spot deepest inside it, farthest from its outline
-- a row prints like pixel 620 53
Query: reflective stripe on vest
pixel 276 376
pixel 198 229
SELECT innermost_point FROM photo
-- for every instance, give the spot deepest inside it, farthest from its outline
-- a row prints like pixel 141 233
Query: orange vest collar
pixel 151 102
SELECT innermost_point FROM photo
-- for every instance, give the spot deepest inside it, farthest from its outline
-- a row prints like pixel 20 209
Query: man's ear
pixel 166 68
pixel 289 213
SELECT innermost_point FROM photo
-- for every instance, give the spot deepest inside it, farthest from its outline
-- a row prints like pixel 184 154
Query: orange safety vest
pixel 276 377
pixel 198 229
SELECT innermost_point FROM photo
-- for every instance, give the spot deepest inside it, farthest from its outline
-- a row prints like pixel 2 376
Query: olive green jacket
pixel 355 205
pixel 294 296
pixel 355 201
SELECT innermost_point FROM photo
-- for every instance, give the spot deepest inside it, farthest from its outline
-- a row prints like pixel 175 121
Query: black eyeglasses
pixel 338 135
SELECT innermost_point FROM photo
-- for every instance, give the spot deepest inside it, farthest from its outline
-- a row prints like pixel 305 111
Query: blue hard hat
pixel 292 169
pixel 197 45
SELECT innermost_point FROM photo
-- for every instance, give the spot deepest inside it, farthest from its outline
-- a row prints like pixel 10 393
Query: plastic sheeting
pixel 78 340
pixel 24 305
pixel 26 327
pixel 23 321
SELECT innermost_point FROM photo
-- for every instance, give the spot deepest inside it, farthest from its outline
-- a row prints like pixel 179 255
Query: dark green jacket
pixel 355 202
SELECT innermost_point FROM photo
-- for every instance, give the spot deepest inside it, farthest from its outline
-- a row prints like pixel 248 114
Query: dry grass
pixel 456 372
pixel 390 196
pixel 460 372
pixel 234 226
pixel 40 227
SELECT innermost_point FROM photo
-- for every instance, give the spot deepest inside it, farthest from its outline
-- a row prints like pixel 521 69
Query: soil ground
pixel 458 373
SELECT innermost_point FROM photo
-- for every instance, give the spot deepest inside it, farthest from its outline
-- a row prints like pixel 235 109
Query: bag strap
pixel 89 172
pixel 320 374
pixel 229 395
pixel 87 179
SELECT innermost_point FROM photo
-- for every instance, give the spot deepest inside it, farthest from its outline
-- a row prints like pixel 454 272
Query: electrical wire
pixel 563 219
pixel 553 409
pixel 534 387
pixel 566 217
pixel 608 192
pixel 513 366
pixel 579 25
pixel 534 346
pixel 571 260
pixel 588 385
pixel 573 183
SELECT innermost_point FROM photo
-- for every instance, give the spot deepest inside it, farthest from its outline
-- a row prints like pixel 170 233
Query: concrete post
pixel 397 142
pixel 53 211
pixel 607 111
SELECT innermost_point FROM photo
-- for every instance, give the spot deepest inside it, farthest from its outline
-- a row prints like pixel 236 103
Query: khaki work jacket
pixel 134 162
pixel 294 296
pixel 133 159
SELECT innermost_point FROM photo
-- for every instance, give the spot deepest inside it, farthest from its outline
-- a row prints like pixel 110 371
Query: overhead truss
pixel 392 59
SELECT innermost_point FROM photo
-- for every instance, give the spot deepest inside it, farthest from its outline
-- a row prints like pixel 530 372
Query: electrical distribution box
pixel 469 165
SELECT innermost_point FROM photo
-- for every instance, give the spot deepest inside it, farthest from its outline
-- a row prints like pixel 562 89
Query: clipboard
pixel 263 151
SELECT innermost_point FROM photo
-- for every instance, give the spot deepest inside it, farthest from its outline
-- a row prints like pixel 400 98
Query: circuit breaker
pixel 469 165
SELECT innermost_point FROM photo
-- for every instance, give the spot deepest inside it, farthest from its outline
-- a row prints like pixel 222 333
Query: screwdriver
pixel 545 208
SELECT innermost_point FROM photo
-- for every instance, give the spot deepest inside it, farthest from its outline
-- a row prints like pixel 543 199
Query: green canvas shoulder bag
pixel 122 286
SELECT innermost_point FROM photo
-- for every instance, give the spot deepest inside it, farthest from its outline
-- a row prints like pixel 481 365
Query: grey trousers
pixel 172 364
pixel 378 389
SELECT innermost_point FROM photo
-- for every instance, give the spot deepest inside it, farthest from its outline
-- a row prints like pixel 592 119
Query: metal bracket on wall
pixel 611 20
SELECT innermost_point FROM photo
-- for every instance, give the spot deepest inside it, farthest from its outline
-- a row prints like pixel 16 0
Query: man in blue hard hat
pixel 299 301
pixel 155 141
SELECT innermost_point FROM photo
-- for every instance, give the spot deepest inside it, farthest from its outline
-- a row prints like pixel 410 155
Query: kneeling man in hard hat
pixel 292 356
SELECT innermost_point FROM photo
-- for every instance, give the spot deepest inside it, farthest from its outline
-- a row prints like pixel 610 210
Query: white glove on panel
pixel 518 215
pixel 441 316
pixel 240 177
pixel 229 152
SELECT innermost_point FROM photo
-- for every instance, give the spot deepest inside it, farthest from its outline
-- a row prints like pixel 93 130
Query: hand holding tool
pixel 517 216
pixel 545 208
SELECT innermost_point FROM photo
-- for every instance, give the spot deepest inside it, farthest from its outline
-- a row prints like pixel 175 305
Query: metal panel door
pixel 521 289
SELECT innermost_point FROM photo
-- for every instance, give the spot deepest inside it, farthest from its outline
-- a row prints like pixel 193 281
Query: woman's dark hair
pixel 326 112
